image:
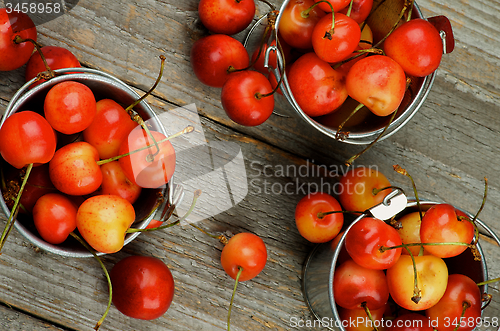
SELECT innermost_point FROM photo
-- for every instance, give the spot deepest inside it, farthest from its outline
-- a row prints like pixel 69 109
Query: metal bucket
pixel 364 127
pixel 103 86
pixel 319 269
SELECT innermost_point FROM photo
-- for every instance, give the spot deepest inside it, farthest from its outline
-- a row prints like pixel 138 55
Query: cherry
pixel 378 82
pixel 56 57
pixel 54 216
pixel 316 86
pixel 247 98
pixel 12 54
pixel 409 231
pixel 460 306
pixel 363 188
pixel 215 56
pixel 297 22
pixel 418 291
pixel 417 46
pixel 357 287
pixel 103 220
pixel 115 182
pixel 311 222
pixel 111 125
pixel 226 16
pixel 74 169
pixel 364 240
pixel 335 5
pixel 26 137
pixel 335 42
pixel 143 287
pixel 442 223
pixel 359 11
pixel 69 107
pixel 153 165
pixel 242 258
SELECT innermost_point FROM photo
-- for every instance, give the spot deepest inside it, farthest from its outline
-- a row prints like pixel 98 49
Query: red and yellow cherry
pixel 13 55
pixel 103 220
pixel 442 223
pixel 432 277
pixel 312 224
pixel 54 216
pixel 111 125
pixel 361 188
pixel 115 182
pixel 69 107
pixel 411 322
pixel 74 170
pixel 56 57
pixel 417 46
pixel 247 98
pixel 357 320
pixel 335 43
pixel 365 239
pixel 355 286
pixel 143 287
pixel 298 21
pixel 336 5
pixel 409 231
pixel 316 86
pixel 213 56
pixel 147 167
pixel 360 10
pixel 26 137
pixel 378 82
pixel 460 306
pixel 245 250
pixel 226 16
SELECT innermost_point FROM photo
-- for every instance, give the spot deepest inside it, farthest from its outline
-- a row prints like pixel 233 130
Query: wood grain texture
pixel 448 147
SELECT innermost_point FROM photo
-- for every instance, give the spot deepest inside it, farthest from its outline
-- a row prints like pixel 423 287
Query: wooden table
pixel 449 147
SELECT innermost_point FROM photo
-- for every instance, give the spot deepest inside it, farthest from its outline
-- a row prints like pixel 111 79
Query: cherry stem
pixel 221 238
pixel 341 135
pixel 376 191
pixel 408 4
pixel 14 210
pixel 369 314
pixel 489 281
pixel 350 9
pixel 240 270
pixel 353 158
pixel 110 286
pixel 305 14
pixel 322 215
pixel 361 52
pixel 138 119
pixel 196 195
pixel 402 171
pixel 188 129
pixel 485 195
pixel 417 296
pixel 465 306
pixel 382 249
pixel 51 74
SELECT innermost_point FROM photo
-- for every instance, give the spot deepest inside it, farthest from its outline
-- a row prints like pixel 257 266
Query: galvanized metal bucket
pixel 364 127
pixel 319 269
pixel 103 86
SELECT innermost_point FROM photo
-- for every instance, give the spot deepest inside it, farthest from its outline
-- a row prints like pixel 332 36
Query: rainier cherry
pixel 247 98
pixel 115 182
pixel 214 56
pixel 312 218
pixel 378 82
pixel 13 55
pixel 56 57
pixel 226 16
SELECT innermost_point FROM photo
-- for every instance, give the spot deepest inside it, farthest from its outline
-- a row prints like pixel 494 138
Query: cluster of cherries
pixel 78 165
pixel 394 270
